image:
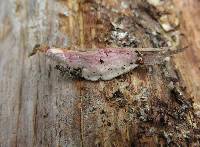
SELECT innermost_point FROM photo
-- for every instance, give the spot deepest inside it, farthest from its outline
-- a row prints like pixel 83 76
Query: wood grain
pixel 38 107
pixel 189 61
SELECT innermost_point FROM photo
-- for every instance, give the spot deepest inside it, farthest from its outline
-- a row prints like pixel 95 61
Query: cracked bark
pixel 148 106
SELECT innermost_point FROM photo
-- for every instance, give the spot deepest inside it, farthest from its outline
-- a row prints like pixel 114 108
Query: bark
pixel 149 106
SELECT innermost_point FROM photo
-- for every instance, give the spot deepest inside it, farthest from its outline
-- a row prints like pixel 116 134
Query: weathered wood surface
pixel 38 107
pixel 189 62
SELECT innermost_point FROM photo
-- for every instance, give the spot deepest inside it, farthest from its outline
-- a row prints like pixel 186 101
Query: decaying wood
pixel 38 107
pixel 188 62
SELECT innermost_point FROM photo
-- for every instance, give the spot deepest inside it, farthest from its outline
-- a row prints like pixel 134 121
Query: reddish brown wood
pixel 189 62
pixel 38 107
